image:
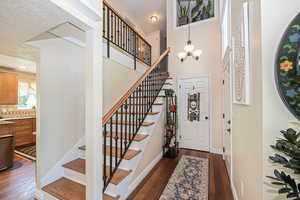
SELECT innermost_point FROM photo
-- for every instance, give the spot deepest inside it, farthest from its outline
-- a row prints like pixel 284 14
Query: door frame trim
pixel 209 76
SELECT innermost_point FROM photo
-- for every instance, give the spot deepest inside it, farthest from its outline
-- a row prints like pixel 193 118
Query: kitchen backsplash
pixel 12 111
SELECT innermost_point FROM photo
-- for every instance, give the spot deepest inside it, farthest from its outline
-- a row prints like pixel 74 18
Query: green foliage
pixel 288 156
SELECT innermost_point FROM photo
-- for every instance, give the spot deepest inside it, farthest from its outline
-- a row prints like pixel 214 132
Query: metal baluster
pixel 104 152
pixel 121 139
pixel 116 139
pixel 108 32
pixel 126 127
pixel 110 149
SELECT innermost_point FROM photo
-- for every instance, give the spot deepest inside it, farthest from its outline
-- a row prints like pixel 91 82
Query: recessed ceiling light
pixel 154 18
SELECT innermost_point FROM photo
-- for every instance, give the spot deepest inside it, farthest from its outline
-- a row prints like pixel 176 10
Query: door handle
pixel 206 118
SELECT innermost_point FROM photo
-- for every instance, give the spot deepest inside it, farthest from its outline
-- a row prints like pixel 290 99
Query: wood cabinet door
pixel 8 89
pixel 23 134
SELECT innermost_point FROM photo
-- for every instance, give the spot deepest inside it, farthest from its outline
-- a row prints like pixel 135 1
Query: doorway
pixel 227 114
pixel 194 109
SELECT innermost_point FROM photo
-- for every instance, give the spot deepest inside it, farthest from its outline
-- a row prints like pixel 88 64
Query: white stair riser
pixel 75 176
pixel 134 145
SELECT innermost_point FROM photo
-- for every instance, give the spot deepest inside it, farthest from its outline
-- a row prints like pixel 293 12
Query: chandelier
pixel 189 49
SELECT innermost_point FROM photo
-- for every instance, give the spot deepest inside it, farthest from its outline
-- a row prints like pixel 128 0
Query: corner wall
pixel 61 103
pixel 275 115
pixel 247 120
pixel 206 36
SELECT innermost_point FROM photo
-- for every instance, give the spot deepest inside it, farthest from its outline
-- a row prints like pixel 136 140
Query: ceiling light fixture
pixel 189 47
pixel 154 18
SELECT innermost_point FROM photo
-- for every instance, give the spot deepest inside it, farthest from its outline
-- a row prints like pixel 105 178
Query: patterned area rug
pixel 28 151
pixel 189 180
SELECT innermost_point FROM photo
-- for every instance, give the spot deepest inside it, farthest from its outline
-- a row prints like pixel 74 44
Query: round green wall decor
pixel 287 68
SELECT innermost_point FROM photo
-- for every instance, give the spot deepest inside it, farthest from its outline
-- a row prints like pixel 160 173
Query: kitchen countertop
pixel 16 118
pixel 6 122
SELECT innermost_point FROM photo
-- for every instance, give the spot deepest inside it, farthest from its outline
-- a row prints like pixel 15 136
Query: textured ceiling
pixel 22 20
pixel 140 11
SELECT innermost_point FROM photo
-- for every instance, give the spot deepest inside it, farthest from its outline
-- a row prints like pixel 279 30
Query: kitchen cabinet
pixel 7 128
pixel 23 134
pixel 8 89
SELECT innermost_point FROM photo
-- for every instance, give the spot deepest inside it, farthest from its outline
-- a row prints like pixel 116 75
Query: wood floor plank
pixel 153 185
pixel 19 183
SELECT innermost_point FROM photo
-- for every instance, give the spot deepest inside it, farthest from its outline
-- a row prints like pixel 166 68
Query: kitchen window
pixel 27 94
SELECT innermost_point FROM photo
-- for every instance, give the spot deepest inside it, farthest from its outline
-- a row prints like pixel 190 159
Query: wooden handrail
pixel 118 105
pixel 119 15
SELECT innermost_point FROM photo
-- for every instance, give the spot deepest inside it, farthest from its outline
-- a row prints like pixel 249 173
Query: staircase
pixel 126 129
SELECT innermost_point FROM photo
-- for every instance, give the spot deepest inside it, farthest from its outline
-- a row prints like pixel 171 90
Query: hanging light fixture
pixel 189 49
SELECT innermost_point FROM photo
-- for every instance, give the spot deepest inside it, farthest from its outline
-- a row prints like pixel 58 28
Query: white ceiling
pixel 21 21
pixel 140 11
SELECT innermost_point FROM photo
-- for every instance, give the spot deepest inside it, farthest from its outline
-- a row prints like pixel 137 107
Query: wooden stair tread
pixel 133 123
pixel 161 96
pixel 155 104
pixel 160 78
pixel 153 84
pixel 78 165
pixel 65 189
pixel 136 113
pixel 128 155
pixel 118 176
pixel 137 138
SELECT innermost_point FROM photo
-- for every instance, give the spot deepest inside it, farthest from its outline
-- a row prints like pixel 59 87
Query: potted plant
pixel 183 13
pixel 287 156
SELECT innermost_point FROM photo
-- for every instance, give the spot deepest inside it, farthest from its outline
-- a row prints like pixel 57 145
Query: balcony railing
pixel 118 32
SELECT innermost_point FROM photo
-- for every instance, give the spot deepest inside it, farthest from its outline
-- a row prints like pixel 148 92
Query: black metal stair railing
pixel 120 33
pixel 123 121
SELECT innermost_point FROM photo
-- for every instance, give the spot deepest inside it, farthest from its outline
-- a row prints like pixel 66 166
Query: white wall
pixel 205 36
pixel 247 120
pixel 154 39
pixel 61 102
pixel 275 115
pixel 117 79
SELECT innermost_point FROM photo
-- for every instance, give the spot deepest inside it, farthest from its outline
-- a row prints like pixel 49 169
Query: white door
pixel 194 113
pixel 227 120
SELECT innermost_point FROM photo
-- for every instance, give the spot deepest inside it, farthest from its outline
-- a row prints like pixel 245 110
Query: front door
pixel 194 113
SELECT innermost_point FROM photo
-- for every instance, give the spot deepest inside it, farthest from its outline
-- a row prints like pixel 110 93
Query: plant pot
pixel 172 152
pixel 182 20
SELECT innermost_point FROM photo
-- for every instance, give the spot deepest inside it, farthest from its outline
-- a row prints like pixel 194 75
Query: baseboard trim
pixel 233 189
pixel 144 173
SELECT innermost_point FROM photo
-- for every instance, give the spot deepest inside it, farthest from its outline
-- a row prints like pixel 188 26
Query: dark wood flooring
pixel 18 184
pixel 153 185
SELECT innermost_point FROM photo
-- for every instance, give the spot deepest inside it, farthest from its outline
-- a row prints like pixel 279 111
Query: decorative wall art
pixel 287 68
pixel 241 60
pixel 193 108
pixel 194 11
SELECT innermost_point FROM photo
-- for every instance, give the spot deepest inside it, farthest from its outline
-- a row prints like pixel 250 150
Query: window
pixel 27 94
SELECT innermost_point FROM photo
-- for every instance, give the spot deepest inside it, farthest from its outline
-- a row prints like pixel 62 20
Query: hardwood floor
pixel 153 185
pixel 18 184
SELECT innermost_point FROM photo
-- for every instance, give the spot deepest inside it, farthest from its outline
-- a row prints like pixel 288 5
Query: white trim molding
pixel 144 173
pixel 233 189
